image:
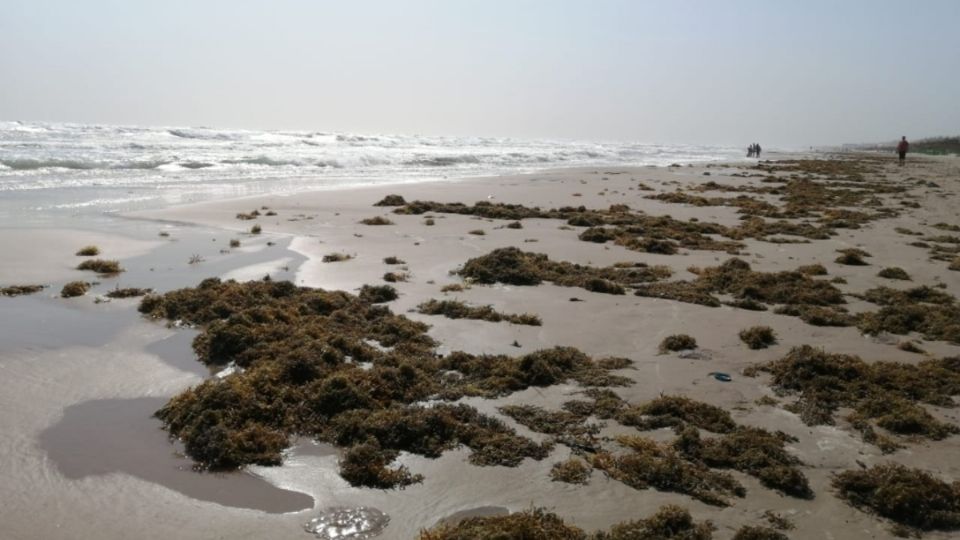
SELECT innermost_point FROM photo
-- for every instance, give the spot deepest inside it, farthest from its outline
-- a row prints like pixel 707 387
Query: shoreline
pixel 319 223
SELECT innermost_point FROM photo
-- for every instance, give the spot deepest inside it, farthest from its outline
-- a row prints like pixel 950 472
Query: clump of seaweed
pixel 515 267
pixel 256 229
pixel 909 497
pixel 852 257
pixel 677 342
pixel 777 521
pixel 514 225
pixel 391 200
pixel 954 264
pixel 366 464
pixel 676 411
pixel 648 463
pixel 454 309
pixel 376 220
pixel 378 294
pixel 74 288
pixel 883 393
pixel 452 287
pixel 669 523
pixel 753 532
pixel 18 290
pixel 246 216
pixel 336 257
pixel 477 232
pixel 393 260
pixel 571 471
pixel 926 310
pixel 234 243
pixel 335 367
pixel 101 266
pixel 751 450
pixel 816 269
pixel 734 277
pixel 818 315
pixel 894 272
pixel 396 277
pixel 128 292
pixel 758 337
pixel 88 251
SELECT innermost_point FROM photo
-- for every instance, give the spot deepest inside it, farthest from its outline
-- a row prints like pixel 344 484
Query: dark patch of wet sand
pixel 121 436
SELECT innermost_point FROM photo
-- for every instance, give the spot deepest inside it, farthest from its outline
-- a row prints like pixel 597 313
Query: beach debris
pixel 18 290
pixel 912 498
pixel 74 288
pixel 101 266
pixel 336 257
pixel 393 260
pixel 677 342
pixel 348 523
pixel 129 292
pixel 882 394
pixel 454 309
pixel 88 251
pixel 376 220
pixel 196 259
pixel 720 376
pixel 391 200
pixel 758 337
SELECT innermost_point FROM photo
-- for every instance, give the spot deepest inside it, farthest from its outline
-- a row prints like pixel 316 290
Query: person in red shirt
pixel 902 149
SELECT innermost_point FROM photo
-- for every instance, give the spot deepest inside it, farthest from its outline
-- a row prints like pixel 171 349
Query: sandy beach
pixel 82 377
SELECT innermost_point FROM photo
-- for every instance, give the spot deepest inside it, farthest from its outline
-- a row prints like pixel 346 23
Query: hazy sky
pixel 781 72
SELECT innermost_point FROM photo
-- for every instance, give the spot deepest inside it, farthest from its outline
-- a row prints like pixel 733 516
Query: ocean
pixel 55 171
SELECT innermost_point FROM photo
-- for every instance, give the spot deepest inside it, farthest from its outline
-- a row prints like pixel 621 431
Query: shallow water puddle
pixel 120 435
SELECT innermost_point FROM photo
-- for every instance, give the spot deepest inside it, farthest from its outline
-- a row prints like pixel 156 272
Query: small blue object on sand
pixel 722 377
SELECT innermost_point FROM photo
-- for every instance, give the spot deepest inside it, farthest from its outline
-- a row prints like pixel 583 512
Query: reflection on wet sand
pixel 121 436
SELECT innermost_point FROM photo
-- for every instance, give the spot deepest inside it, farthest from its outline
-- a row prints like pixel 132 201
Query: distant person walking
pixel 750 151
pixel 902 148
pixel 756 149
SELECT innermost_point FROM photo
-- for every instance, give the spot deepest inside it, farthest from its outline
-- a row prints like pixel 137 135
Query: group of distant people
pixel 753 150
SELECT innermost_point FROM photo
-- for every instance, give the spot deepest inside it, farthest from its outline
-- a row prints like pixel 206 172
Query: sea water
pixel 49 171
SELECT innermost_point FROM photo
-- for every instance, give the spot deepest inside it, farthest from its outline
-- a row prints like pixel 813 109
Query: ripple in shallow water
pixel 348 523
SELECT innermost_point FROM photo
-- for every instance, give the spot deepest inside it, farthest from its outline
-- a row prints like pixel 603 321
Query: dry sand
pixel 41 387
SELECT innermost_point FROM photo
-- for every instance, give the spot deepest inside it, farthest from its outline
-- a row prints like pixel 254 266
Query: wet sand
pixel 101 362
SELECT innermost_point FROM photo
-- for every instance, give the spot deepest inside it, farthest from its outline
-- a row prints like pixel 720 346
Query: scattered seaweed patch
pixel 816 269
pixel 515 267
pixel 101 266
pixel 649 464
pixel 535 523
pixel 246 216
pixel 376 220
pixel 391 200
pixel 753 532
pixel 910 346
pixel 931 312
pixel 910 497
pixel 677 342
pixel 734 277
pixel 571 471
pixel 378 294
pixel 128 292
pixel 336 257
pixel 777 521
pixel 366 465
pixel 818 315
pixel 894 272
pixel 88 251
pixel 751 450
pixel 335 367
pixel 19 290
pixel 453 309
pixel 74 288
pixel 452 287
pixel 885 394
pixel 852 257
pixel 396 277
pixel 676 411
pixel 758 337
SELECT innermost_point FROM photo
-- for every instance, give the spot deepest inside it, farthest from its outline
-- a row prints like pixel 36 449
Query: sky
pixel 784 72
